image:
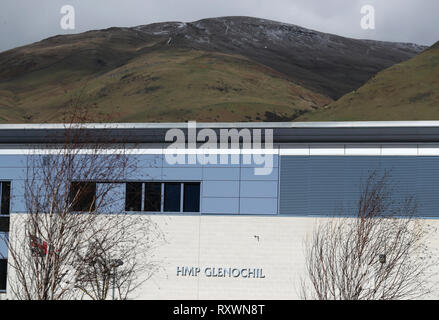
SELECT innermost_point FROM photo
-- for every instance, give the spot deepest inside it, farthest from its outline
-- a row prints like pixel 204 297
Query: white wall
pixel 220 241
pixel 275 244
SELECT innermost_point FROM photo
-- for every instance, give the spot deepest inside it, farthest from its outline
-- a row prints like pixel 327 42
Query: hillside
pixel 221 69
pixel 164 85
pixel 406 91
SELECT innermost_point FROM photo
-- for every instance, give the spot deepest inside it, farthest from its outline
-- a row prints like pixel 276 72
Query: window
pixel 133 200
pixel 5 197
pixel 163 196
pixel 4 225
pixel 153 196
pixel 172 197
pixel 3 274
pixel 191 201
pixel 83 196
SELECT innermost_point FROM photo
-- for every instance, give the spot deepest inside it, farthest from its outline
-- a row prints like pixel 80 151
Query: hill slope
pixel 222 69
pixel 326 63
pixel 406 91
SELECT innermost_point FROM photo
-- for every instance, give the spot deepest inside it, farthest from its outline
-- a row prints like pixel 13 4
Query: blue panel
pixel 326 185
pixel 147 160
pixel 13 161
pixel 258 206
pixel 220 189
pixel 18 194
pixel 294 185
pixel 220 205
pixel 249 174
pixel 427 186
pixel 323 185
pixel 255 160
pixel 182 174
pixel 221 174
pixel 264 189
pixel 18 204
pixel 3 246
pixel 404 176
pixel 144 174
pixel 17 188
pixel 187 161
pixel 12 173
pixel 356 172
pixel 327 179
pixel 114 201
pixel 183 161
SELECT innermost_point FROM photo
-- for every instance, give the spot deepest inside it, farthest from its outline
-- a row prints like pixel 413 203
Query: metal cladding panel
pixel 294 185
pixel 15 161
pixel 258 189
pixel 330 185
pixel 257 206
pixel 221 189
pixel 227 174
pixel 427 186
pixel 220 205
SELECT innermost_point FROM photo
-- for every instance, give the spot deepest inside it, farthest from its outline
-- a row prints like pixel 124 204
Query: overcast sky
pixel 23 21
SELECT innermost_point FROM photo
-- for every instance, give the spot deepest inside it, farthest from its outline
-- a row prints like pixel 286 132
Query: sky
pixel 23 22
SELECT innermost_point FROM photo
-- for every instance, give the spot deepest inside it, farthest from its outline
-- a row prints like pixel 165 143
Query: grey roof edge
pixel 228 125
pixel 283 132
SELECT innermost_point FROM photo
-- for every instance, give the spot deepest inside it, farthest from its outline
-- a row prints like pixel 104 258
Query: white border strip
pixel 299 150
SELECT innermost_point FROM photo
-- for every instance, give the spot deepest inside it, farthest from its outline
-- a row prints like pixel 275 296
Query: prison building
pixel 243 213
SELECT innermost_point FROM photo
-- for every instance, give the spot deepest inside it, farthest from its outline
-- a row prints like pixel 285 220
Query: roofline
pixel 283 132
pixel 228 125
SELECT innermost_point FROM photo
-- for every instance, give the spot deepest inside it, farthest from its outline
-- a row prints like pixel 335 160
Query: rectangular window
pixel 3 274
pixel 83 196
pixel 5 197
pixel 4 226
pixel 163 196
pixel 133 200
pixel 191 202
pixel 153 196
pixel 172 197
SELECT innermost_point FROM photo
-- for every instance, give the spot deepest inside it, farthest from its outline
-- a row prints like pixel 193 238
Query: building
pixel 234 232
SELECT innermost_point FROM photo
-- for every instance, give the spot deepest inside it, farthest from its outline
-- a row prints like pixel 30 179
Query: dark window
pixel 133 201
pixel 3 273
pixel 172 197
pixel 5 197
pixel 83 196
pixel 191 197
pixel 4 224
pixel 153 196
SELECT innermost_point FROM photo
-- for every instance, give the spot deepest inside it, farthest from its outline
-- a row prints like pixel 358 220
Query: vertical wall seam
pixel 199 230
pixel 239 181
pixel 199 255
pixel 278 181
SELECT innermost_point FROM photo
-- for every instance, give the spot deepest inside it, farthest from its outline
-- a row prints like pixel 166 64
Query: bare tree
pixel 115 264
pixel 381 253
pixel 74 223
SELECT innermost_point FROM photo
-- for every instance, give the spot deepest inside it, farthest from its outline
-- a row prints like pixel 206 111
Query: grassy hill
pixel 220 69
pixel 406 91
pixel 165 85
